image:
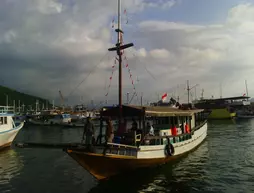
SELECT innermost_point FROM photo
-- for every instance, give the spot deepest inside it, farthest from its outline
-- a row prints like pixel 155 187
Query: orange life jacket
pixel 187 128
pixel 174 130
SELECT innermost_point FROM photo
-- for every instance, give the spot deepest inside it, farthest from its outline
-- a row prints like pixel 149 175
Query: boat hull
pixel 6 137
pixel 104 166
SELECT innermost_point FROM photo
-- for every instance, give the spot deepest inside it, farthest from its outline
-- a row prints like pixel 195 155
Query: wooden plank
pixel 47 145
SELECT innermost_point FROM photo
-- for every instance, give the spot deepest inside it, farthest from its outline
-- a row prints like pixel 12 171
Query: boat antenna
pixel 220 90
pixel 246 88
pixel 118 48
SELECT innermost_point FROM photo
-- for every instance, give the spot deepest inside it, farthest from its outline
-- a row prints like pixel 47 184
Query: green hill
pixel 25 99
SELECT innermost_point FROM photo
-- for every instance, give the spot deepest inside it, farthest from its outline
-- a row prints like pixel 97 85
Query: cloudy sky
pixel 51 45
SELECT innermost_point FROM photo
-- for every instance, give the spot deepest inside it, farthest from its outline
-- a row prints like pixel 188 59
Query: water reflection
pixel 223 163
pixel 10 166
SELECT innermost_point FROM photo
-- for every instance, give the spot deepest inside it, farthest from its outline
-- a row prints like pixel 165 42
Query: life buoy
pixel 169 149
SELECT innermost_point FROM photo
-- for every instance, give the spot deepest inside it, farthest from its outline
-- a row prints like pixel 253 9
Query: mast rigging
pixel 118 48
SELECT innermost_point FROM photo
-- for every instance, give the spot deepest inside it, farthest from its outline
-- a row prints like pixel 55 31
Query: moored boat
pixel 58 119
pixel 8 128
pixel 245 116
pixel 133 150
pixel 222 108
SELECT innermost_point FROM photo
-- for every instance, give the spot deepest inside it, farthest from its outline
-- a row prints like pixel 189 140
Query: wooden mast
pixel 119 46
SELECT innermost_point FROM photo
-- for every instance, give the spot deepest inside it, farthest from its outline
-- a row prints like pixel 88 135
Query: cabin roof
pixel 136 111
pixel 228 98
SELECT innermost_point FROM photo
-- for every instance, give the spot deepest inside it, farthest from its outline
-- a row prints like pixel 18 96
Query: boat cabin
pixel 6 121
pixel 166 122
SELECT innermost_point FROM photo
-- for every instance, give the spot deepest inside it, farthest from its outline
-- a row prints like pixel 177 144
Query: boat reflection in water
pixel 10 166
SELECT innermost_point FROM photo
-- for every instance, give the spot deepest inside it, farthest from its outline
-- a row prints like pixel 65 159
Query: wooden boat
pixel 142 150
pixel 8 128
pixel 136 149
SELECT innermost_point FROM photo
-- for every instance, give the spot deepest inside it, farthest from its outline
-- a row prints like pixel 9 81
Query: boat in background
pixel 8 128
pixel 222 108
pixel 176 132
pixel 245 116
pixel 58 119
pixel 81 122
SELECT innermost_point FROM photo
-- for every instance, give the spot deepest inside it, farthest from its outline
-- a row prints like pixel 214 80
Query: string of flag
pixel 113 21
pixel 126 19
pixel 126 16
pixel 111 77
pixel 130 74
pixel 113 27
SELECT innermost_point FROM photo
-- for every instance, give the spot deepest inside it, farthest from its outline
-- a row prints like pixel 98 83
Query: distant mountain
pixel 25 99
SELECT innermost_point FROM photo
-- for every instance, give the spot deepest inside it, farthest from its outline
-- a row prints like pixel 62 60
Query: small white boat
pixel 59 119
pixel 245 116
pixel 81 123
pixel 8 128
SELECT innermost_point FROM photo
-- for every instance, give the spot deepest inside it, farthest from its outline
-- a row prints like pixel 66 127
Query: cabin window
pixel 174 121
pixel 3 120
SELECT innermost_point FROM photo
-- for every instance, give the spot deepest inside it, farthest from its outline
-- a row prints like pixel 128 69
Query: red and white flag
pixel 164 97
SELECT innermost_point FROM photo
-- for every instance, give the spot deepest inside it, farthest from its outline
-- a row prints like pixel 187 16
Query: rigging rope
pixel 143 64
pixel 88 74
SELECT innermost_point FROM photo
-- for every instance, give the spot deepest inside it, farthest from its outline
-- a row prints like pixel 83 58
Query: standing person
pixel 150 129
pixel 134 125
pixel 109 131
pixel 88 131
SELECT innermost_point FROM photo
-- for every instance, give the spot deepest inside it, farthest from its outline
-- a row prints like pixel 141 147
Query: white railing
pixel 7 109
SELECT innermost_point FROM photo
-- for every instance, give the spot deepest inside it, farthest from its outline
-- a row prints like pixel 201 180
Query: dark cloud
pixel 47 45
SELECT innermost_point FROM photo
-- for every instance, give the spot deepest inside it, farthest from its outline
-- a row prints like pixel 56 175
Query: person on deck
pixel 150 129
pixel 122 128
pixel 88 131
pixel 109 131
pixel 134 125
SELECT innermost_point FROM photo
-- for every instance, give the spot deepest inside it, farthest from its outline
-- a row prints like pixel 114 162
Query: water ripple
pixel 223 163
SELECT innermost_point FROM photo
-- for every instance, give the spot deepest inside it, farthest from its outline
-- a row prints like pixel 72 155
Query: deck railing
pixel 120 149
pixel 131 150
pixel 173 138
pixel 7 109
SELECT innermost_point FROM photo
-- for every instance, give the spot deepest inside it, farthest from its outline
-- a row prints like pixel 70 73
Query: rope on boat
pixel 93 69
